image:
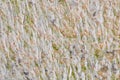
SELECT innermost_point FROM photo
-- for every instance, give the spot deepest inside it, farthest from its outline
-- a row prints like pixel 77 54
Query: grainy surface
pixel 59 39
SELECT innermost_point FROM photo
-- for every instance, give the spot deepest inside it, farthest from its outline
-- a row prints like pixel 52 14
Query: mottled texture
pixel 59 39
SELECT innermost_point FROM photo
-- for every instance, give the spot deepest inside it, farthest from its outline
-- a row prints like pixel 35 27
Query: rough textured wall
pixel 59 39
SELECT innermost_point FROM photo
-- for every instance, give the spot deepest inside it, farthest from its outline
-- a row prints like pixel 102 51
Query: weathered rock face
pixel 59 39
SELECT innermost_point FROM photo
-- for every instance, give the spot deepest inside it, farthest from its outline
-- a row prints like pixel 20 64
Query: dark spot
pixel 30 2
pixel 70 52
pixel 110 52
pixel 26 73
pixel 28 78
pixel 53 21
pixel 19 61
pixel 104 69
pixel 81 50
pixel 94 13
pixel 46 70
pixel 73 46
pixel 96 76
